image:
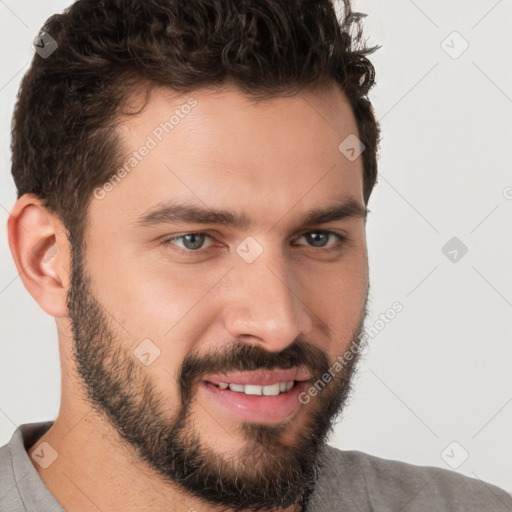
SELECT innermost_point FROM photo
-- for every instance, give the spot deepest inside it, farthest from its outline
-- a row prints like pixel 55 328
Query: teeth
pixel 272 389
pixel 253 389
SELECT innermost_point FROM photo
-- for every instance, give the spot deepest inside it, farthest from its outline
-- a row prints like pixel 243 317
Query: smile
pixel 269 396
pixel 254 389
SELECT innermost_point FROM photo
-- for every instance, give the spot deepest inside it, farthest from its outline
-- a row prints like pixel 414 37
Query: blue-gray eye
pixel 318 237
pixel 191 241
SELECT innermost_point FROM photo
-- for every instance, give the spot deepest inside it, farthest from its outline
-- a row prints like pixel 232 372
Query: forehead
pixel 217 148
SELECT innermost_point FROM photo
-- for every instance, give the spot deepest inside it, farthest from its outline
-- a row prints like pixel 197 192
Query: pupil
pixel 195 245
pixel 315 238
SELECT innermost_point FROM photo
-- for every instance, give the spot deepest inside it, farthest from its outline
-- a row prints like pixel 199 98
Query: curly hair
pixel 64 140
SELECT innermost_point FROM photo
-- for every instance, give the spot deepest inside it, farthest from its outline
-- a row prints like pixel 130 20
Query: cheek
pixel 144 291
pixel 336 295
pixel 169 298
pixel 148 306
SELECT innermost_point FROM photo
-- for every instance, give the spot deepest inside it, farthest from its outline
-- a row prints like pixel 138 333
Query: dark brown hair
pixel 64 141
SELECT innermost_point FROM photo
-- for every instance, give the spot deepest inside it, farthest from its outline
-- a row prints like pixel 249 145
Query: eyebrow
pixel 177 213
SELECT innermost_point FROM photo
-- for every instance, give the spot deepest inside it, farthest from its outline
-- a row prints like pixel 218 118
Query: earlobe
pixel 35 242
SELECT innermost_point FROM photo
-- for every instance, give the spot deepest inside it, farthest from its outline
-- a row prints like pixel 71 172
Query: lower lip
pixel 257 408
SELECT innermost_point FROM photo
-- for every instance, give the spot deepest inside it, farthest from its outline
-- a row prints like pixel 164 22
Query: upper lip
pixel 260 377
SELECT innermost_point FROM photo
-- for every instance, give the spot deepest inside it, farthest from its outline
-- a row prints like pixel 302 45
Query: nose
pixel 267 306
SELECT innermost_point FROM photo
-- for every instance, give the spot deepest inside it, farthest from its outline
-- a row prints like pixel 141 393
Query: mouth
pixel 268 397
pixel 255 389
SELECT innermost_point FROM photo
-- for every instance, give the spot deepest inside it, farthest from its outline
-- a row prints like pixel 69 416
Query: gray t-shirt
pixel 349 481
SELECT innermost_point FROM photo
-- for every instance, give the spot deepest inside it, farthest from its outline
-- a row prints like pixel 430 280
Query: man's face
pixel 198 349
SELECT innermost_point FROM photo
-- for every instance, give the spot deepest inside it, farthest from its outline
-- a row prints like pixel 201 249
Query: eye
pixel 319 239
pixel 192 241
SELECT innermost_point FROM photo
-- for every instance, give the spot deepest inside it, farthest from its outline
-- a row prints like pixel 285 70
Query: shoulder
pixel 361 481
pixel 20 482
pixel 9 495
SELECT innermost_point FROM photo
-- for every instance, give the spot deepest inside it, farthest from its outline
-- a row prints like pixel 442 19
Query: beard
pixel 267 473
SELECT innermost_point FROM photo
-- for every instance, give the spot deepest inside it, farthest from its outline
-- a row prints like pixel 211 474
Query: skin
pixel 285 152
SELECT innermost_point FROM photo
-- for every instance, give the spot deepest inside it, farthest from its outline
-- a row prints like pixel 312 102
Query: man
pixel 207 340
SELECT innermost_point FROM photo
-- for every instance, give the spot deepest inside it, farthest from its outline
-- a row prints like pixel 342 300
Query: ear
pixel 40 249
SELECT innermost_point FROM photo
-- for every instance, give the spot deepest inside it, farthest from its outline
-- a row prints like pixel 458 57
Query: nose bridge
pixel 265 304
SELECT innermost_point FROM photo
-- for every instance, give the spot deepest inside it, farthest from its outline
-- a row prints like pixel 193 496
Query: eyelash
pixel 341 240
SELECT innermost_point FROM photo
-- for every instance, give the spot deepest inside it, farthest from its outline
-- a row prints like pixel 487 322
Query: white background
pixel 440 371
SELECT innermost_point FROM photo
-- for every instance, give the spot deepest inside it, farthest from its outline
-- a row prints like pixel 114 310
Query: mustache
pixel 243 357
